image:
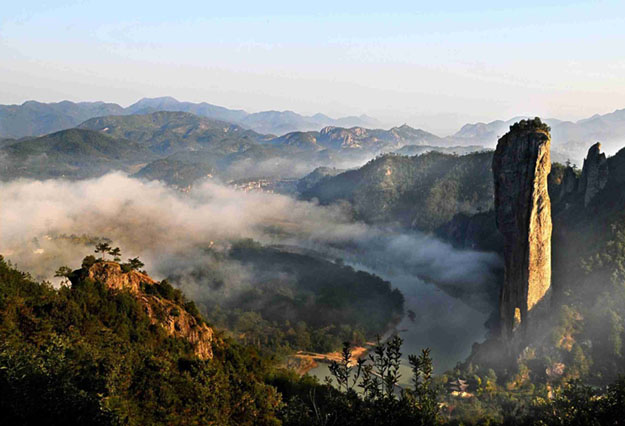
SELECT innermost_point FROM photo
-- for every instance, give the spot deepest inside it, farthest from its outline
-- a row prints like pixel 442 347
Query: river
pixel 445 324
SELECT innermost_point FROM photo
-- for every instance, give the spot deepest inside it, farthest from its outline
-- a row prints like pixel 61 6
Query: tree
pixel 103 248
pixel 116 253
pixel 423 389
pixel 572 404
pixel 135 264
pixel 63 272
pixel 342 370
pixel 382 401
pixel 381 376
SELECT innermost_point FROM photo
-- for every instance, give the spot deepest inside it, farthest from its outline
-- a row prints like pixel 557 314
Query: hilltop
pixel 165 133
pixel 370 140
pixel 423 191
pixel 180 148
pixel 164 306
pixel 116 346
pixel 570 138
pixel 74 153
pixel 34 118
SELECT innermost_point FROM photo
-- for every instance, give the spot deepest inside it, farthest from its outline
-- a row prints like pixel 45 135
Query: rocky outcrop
pixel 169 314
pixel 594 173
pixel 111 275
pixel 521 166
pixel 563 181
pixel 569 182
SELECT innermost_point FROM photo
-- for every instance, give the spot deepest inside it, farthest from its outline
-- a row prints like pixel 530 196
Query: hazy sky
pixel 434 64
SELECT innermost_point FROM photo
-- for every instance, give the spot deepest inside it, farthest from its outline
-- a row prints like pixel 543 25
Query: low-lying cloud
pixel 158 223
pixel 148 218
pixel 170 230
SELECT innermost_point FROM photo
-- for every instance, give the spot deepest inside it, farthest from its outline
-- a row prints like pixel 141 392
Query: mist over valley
pixel 329 214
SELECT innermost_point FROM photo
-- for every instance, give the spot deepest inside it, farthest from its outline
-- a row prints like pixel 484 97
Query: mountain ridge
pixel 33 118
pixel 74 153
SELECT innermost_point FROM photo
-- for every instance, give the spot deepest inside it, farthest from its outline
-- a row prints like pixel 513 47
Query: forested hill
pixel 167 132
pixel 423 191
pixel 34 118
pixel 359 138
pixel 73 153
pixel 116 347
pixel 181 148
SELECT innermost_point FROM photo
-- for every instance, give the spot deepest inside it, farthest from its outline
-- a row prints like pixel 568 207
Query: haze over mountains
pixel 34 118
pixel 300 270
pixel 569 137
pixel 182 142
pixel 181 147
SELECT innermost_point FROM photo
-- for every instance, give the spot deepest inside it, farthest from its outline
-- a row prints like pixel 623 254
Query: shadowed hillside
pixel 73 153
pixel 424 191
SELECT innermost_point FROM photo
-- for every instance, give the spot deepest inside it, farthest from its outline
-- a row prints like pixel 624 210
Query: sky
pixel 434 64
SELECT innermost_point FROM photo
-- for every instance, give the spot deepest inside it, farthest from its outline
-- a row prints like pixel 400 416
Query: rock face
pixel 594 173
pixel 521 166
pixel 110 274
pixel 562 183
pixel 569 182
pixel 173 317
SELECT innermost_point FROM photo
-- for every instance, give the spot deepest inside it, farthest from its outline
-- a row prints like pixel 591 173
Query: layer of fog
pixel 171 230
pixel 149 220
pixel 292 167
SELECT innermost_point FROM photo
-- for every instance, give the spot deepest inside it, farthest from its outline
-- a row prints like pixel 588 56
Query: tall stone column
pixel 521 165
pixel 594 173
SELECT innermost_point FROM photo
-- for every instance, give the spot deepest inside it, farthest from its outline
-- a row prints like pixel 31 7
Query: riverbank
pixel 304 361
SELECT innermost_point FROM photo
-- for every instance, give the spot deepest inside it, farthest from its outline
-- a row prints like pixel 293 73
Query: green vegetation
pixel 179 147
pixel 73 153
pixel 317 175
pixel 35 118
pixel 379 400
pixel 165 133
pixel 87 354
pixel 424 191
pixel 84 354
pixel 530 124
pixel 182 168
pixel 357 138
pixel 567 371
pixel 297 301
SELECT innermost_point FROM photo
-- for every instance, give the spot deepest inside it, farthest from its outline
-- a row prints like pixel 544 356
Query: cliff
pixel 521 166
pixel 594 173
pixel 169 314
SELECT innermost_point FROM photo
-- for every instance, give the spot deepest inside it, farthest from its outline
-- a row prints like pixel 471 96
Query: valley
pixel 285 247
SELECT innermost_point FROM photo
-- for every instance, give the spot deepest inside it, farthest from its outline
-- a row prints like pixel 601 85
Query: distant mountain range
pixel 165 132
pixel 34 118
pixel 373 140
pixel 181 147
pixel 73 153
pixel 569 138
pixel 180 142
